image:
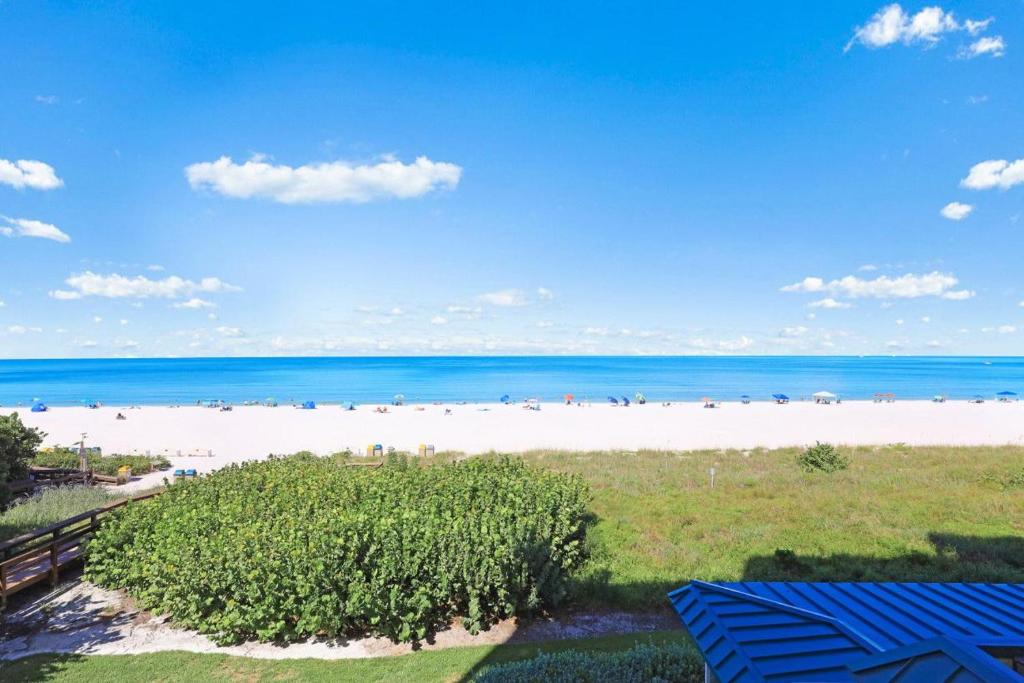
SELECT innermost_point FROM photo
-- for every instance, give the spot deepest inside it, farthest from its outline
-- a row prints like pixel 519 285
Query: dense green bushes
pixel 292 547
pixel 105 464
pixel 669 663
pixel 17 444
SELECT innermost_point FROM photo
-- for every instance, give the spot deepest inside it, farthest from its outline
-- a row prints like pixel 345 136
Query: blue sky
pixel 194 179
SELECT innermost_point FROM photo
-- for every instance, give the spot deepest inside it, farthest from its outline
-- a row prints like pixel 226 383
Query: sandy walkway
pixel 80 618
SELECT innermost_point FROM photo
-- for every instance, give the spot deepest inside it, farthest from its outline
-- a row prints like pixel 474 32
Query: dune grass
pixel 51 506
pixel 898 513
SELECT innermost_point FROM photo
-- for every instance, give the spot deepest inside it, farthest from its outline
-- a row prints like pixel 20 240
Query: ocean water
pixel 476 379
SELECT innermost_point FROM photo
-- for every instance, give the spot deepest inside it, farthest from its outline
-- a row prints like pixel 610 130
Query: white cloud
pixel 725 345
pixel 977 99
pixel 545 294
pixel 993 46
pixel 195 302
pixel 34 175
pixel 994 173
pixel 829 303
pixel 336 181
pixel 899 321
pixel 123 322
pixel 504 298
pixel 17 329
pixel 547 323
pixel 797 331
pixel 115 286
pixel 907 286
pixel 396 311
pixel 926 319
pixel 23 227
pixel 155 268
pixel 1006 329
pixel 892 24
pixel 439 320
pixel 226 331
pixel 126 344
pixel 975 27
pixel 868 267
pixel 2 304
pixel 47 99
pixel 955 211
pixel 96 319
pixel 934 343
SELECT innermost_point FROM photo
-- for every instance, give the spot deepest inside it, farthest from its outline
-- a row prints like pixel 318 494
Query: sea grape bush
pixel 299 546
pixel 100 464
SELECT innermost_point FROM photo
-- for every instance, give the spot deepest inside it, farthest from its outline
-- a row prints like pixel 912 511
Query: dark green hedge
pixel 291 547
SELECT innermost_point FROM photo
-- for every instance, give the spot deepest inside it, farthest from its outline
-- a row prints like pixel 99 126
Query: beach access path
pixel 250 432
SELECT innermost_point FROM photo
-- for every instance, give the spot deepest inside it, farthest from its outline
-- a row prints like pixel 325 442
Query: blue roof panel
pixel 756 631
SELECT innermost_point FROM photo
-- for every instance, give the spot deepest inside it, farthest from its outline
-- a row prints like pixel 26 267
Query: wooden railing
pixel 41 554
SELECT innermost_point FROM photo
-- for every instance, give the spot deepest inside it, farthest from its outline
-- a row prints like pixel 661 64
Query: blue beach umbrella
pixel 1007 393
pixel 309 405
pixel 614 401
pixel 625 401
pixel 780 397
pixel 504 398
pixel 39 407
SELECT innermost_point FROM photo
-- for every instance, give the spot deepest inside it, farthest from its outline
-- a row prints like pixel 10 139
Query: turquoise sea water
pixel 185 380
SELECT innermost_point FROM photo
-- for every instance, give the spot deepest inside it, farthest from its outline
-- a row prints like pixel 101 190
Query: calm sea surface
pixel 164 381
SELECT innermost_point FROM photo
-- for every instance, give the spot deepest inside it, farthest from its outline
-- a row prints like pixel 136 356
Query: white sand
pixel 252 432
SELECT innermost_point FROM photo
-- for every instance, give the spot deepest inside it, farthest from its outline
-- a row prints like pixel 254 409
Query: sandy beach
pixel 187 434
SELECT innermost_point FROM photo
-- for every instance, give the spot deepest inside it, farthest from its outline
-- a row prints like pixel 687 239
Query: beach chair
pixel 179 473
pixel 191 473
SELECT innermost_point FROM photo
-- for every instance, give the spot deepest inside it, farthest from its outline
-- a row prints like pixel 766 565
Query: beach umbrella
pixel 640 398
pixel 614 401
pixel 399 399
pixel 504 398
pixel 39 407
pixel 351 406
pixel 780 397
pixel 745 399
pixel 625 401
pixel 569 398
pixel 824 394
pixel 1007 393
pixel 309 405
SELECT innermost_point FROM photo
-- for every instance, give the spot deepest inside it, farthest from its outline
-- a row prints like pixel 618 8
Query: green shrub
pixel 670 663
pixel 17 445
pixel 291 547
pixel 100 464
pixel 50 506
pixel 822 457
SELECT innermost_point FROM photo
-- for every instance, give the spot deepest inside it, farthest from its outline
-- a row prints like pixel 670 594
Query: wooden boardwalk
pixel 40 555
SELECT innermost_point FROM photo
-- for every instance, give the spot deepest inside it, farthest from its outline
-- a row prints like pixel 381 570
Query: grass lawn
pixel 898 513
pixel 455 664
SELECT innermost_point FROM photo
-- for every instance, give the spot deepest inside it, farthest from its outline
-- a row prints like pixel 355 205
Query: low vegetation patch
pixel 291 547
pixel 823 457
pixel 669 663
pixel 100 464
pixel 49 507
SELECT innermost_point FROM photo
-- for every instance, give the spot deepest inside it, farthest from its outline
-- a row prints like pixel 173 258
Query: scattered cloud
pixel 829 303
pixel 226 331
pixel 545 294
pixel 740 343
pixel 926 319
pixel 892 24
pixel 993 46
pixel 907 286
pixel 96 319
pixel 868 268
pixel 956 211
pixel 1006 329
pixel 195 302
pixel 977 99
pixel 17 329
pixel 34 175
pixel 47 99
pixel 336 181
pixel 155 268
pixel 23 227
pixel 505 298
pixel 994 173
pixel 115 286
pixel 439 320
pixel 934 344
pixel 796 331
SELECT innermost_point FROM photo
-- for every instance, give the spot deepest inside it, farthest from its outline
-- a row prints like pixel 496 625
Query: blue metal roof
pixel 938 659
pixel 754 631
